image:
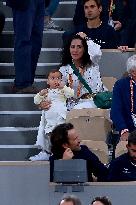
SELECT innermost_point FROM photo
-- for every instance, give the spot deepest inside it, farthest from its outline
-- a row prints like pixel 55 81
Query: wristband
pixel 124 131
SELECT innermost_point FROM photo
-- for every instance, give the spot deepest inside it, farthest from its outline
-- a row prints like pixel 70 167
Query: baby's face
pixel 54 80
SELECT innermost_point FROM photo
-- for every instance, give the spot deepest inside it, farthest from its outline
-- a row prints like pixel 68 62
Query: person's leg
pixel 49 11
pixel 36 37
pixel 23 24
pixel 2 21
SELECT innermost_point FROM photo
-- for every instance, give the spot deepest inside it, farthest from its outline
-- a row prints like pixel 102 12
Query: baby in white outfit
pixel 57 94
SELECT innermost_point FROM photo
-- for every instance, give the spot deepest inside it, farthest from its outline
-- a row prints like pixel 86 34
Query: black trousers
pixel 2 21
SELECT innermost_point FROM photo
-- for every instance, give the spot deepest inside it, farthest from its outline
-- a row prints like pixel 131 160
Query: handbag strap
pixel 80 78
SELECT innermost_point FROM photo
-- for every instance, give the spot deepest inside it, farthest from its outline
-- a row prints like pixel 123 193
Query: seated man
pixel 65 144
pixel 113 8
pixel 2 21
pixel 128 32
pixel 123 168
pixel 123 109
pixel 100 32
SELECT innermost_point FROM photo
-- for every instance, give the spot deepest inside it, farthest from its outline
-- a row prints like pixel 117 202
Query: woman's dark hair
pixel 59 136
pixel 104 200
pixel 66 56
pixel 71 198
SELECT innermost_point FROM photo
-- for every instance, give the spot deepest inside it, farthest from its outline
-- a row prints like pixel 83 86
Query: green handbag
pixel 102 100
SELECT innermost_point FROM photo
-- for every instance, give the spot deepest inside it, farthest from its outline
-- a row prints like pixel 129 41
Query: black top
pixel 94 166
pixel 122 169
pixel 104 35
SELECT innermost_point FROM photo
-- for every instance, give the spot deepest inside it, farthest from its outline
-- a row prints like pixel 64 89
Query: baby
pixel 57 94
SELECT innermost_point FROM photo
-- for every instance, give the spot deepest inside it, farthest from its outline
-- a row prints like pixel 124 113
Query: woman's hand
pixel 82 35
pixel 68 154
pixel 124 136
pixel 45 105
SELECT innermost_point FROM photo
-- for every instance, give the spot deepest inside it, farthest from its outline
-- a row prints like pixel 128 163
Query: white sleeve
pixel 94 51
pixel 94 79
pixel 64 73
pixel 68 92
pixel 38 99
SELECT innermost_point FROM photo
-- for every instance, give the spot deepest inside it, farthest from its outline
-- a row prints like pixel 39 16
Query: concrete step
pixel 7 84
pixel 65 23
pixel 17 136
pixel 65 9
pixel 7 69
pixel 20 118
pixel 46 56
pixel 18 102
pixel 51 39
pixel 17 154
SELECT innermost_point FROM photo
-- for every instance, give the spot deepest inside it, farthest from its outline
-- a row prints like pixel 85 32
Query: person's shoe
pixel 52 26
pixel 40 157
pixel 27 90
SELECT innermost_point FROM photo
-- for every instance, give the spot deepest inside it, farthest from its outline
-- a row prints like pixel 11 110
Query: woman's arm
pixel 94 51
pixel 93 48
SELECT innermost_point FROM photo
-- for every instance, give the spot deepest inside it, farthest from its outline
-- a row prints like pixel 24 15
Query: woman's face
pixel 76 49
pixel 63 202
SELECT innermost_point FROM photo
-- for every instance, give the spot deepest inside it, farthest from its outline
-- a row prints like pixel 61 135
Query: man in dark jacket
pixel 65 144
pixel 28 21
pixel 123 168
pixel 2 21
pixel 117 12
pixel 99 31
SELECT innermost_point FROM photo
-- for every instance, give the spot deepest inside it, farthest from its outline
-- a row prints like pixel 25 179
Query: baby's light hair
pixel 131 63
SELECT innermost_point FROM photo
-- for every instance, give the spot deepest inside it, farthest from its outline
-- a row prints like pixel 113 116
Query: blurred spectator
pixel 129 31
pixel 100 32
pixel 70 200
pixel 65 145
pixel 28 22
pixel 2 21
pixel 50 8
pixel 123 168
pixel 123 110
pixel 101 201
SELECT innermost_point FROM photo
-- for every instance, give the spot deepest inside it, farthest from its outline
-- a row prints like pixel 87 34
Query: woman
pixel 123 110
pixel 85 55
pixel 101 201
pixel 70 200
